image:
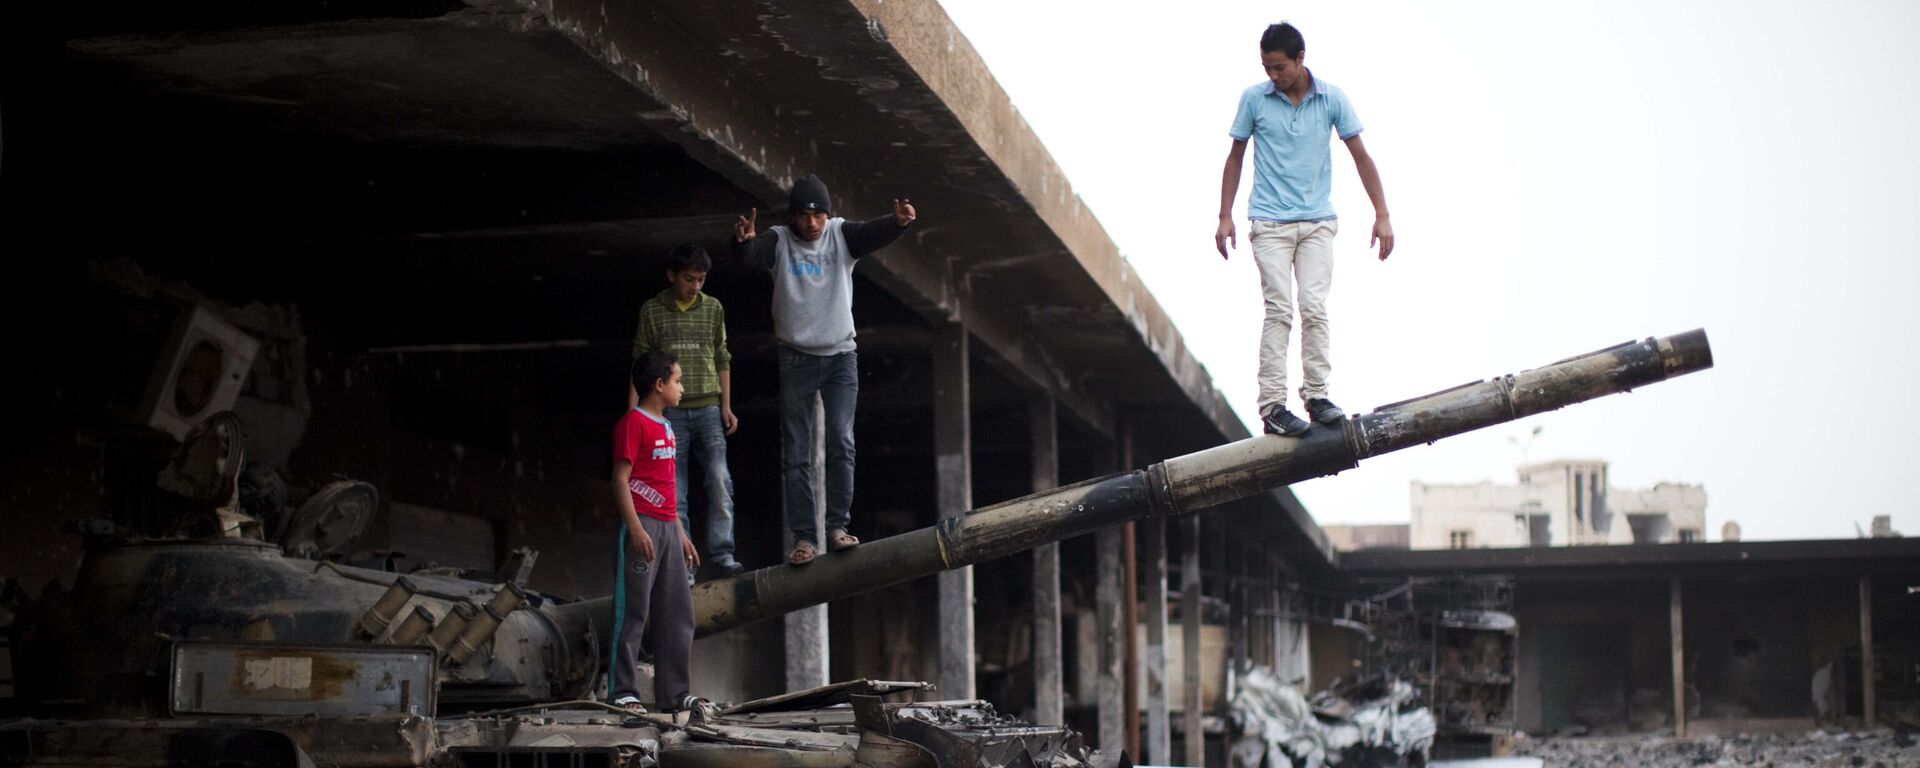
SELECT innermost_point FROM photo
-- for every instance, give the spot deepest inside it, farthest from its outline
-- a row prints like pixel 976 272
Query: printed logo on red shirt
pixel 647 444
pixel 646 493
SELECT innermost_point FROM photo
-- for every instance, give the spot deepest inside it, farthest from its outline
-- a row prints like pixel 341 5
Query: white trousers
pixel 1295 259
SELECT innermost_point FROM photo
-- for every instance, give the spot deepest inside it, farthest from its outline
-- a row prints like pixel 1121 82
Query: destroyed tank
pixel 245 652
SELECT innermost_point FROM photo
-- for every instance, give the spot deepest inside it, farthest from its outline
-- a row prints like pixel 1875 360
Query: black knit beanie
pixel 809 194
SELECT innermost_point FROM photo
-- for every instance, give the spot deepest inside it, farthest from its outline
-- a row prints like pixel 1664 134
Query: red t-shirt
pixel 647 444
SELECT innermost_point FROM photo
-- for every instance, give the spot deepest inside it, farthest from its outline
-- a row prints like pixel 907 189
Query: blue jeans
pixel 700 435
pixel 837 379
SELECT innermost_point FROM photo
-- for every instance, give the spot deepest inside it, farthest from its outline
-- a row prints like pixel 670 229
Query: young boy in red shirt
pixel 651 593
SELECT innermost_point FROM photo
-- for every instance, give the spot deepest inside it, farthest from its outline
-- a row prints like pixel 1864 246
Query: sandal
pixel 838 539
pixel 631 705
pixel 803 553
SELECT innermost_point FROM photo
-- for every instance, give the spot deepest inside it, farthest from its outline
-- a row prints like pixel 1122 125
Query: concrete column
pixel 1278 630
pixel 1049 696
pixel 806 629
pixel 1259 607
pixel 1130 607
pixel 1190 598
pixel 1234 558
pixel 953 474
pixel 1237 623
pixel 1109 688
pixel 1153 559
pixel 1679 645
pixel 1869 709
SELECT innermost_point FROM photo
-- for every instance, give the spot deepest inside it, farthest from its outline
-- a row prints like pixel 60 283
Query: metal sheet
pixel 264 679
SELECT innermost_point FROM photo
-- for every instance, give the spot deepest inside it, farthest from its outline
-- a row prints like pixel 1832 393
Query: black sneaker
pixel 693 709
pixel 1280 421
pixel 1324 411
pixel 728 567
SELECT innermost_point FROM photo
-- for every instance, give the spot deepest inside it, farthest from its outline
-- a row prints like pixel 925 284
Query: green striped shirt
pixel 697 336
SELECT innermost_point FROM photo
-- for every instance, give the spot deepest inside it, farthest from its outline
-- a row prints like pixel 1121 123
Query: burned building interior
pixel 405 243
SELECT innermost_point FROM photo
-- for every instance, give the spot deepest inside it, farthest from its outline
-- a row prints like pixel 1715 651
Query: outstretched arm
pixel 1223 235
pixel 748 246
pixel 1370 178
pixel 865 237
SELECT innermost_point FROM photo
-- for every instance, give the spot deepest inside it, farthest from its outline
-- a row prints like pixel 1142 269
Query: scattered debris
pixel 1278 727
pixel 1818 749
pixel 1455 640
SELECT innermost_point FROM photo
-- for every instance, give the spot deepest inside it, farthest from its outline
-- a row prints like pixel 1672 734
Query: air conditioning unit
pixel 201 365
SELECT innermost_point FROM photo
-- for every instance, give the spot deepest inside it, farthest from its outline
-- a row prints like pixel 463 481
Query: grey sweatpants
pixel 652 599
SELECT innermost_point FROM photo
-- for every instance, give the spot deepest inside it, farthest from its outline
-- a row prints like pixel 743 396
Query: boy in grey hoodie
pixel 812 260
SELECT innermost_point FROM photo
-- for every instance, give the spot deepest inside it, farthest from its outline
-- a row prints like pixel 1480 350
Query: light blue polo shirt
pixel 1292 157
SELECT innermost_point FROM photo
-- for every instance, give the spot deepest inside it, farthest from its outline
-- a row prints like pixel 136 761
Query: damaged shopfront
pixel 1702 639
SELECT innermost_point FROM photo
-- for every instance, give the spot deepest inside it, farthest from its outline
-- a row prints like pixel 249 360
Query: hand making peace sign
pixel 743 229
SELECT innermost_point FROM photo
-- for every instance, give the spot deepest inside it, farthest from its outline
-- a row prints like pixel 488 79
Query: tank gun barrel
pixel 1181 485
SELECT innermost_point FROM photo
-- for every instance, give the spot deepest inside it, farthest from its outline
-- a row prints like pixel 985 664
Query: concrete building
pixel 438 219
pixel 1712 638
pixel 1348 538
pixel 1556 503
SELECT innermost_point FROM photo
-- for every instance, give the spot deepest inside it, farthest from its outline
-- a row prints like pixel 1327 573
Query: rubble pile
pixel 1815 749
pixel 1276 726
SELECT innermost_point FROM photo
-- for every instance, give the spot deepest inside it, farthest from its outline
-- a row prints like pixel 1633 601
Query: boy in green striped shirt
pixel 692 325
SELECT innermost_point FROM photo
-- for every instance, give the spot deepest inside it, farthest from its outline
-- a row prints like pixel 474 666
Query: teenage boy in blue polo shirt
pixel 1289 118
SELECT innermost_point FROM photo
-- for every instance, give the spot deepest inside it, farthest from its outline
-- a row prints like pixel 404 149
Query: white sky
pixel 1563 177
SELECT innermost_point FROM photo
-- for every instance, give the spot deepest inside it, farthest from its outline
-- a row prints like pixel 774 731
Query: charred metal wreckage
pixel 221 646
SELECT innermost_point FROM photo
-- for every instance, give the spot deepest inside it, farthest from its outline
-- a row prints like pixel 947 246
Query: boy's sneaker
pixel 693 709
pixel 727 566
pixel 1280 421
pixel 1324 411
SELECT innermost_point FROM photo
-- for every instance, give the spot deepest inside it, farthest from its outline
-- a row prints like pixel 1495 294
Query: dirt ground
pixel 1818 749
